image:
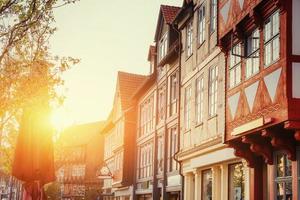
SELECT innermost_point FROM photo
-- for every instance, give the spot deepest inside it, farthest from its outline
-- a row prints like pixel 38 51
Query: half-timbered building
pixel 259 39
pixel 119 135
pixel 157 174
pixel 210 170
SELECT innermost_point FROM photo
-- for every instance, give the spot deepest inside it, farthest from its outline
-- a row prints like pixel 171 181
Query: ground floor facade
pixel 215 173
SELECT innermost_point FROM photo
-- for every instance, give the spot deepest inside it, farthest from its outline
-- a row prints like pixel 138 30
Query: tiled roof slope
pixel 128 83
pixel 169 13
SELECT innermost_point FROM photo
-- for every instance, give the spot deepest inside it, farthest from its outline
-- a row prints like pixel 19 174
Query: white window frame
pixel 187 107
pixel 213 91
pixel 235 66
pixel 173 147
pixel 213 15
pixel 272 39
pixel 201 23
pixel 189 38
pixel 163 46
pixel 283 179
pixel 173 93
pixel 199 99
pixel 253 53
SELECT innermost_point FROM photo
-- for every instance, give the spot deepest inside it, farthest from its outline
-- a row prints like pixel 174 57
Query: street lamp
pixel 104 172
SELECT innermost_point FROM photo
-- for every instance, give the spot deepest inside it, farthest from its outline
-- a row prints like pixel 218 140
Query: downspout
pixel 166 141
pixel 179 107
pixel 135 169
pixel 155 182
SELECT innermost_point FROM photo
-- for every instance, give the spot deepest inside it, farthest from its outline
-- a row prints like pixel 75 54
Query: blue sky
pixel 107 36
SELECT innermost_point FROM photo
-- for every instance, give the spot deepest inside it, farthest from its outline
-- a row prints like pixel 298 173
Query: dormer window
pixel 163 47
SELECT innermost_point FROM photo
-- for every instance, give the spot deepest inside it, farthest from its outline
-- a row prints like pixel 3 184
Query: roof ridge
pixel 170 6
pixel 129 73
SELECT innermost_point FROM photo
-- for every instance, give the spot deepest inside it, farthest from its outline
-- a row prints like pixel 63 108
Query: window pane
pixel 276 48
pixel 288 191
pixel 280 165
pixel 275 23
pixel 207 185
pixel 236 182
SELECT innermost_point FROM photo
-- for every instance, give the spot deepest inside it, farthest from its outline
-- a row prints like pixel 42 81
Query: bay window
pixel 271 39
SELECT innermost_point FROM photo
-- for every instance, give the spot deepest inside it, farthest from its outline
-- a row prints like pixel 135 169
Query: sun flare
pixel 61 118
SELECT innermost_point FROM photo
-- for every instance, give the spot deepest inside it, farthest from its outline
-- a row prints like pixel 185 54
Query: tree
pixel 26 64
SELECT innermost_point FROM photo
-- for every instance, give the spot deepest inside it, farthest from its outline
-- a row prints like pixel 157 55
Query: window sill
pixel 212 117
pixel 252 75
pixel 188 57
pixel 272 63
pixel 187 131
pixel 199 124
pixel 234 86
pixel 199 45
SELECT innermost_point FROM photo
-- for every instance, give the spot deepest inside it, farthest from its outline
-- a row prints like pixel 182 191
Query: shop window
pixel 237 181
pixel 283 177
pixel 207 185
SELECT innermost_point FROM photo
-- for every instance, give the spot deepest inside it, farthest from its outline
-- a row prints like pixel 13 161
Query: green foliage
pixel 29 73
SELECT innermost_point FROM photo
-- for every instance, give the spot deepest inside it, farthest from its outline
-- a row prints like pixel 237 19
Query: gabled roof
pixel 81 134
pixel 127 84
pixel 169 13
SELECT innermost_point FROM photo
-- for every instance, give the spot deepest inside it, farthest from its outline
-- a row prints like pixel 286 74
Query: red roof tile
pixel 128 83
pixel 169 13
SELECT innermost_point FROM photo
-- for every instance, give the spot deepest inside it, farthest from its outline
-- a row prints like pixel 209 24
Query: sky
pixel 107 36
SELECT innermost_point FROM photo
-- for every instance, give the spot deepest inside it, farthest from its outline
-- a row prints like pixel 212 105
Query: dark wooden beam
pixel 297 135
pixel 260 146
pixel 243 150
pixel 283 141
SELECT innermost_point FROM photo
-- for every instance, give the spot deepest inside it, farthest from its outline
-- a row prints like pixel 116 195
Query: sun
pixel 61 118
